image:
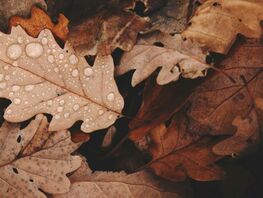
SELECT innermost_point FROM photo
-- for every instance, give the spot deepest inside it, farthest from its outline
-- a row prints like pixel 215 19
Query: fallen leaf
pixel 110 30
pixel 176 57
pixel 110 184
pixel 39 21
pixel 177 154
pixel 40 77
pixel 160 102
pixel 221 106
pixel 172 18
pixel 236 17
pixel 149 5
pixel 14 7
pixel 28 163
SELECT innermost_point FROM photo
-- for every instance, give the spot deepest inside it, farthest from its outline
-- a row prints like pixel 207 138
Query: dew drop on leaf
pixel 34 50
pixel 14 51
pixel 110 96
pixel 88 71
pixel 73 59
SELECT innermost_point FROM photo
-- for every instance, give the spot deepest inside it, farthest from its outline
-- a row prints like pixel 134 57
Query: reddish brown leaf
pixel 39 21
pixel 107 31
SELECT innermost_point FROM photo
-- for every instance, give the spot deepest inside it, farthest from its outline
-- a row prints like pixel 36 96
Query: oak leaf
pixel 40 77
pixel 110 30
pixel 221 106
pixel 216 23
pixel 176 57
pixel 177 154
pixel 13 7
pixel 39 21
pixel 33 158
pixel 112 184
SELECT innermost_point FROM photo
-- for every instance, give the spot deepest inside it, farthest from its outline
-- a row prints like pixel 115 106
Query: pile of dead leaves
pixel 163 90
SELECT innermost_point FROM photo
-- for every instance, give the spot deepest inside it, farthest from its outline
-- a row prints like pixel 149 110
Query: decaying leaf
pixel 14 7
pixel 176 57
pixel 216 23
pixel 178 154
pixel 221 106
pixel 111 185
pixel 39 21
pixel 160 102
pixel 40 77
pixel 29 163
pixel 171 19
pixel 105 32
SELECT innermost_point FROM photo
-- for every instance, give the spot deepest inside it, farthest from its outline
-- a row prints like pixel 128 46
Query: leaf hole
pixel 15 170
pixel 139 8
pixel 31 180
pixel 158 44
pixel 19 138
pixel 90 59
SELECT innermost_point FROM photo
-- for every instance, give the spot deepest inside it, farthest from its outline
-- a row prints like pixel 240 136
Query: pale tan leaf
pixel 22 175
pixel 216 23
pixel 177 57
pixel 121 185
pixel 40 77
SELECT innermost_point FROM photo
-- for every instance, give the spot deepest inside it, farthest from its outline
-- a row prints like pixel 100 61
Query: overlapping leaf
pixel 40 77
pixel 33 159
pixel 176 57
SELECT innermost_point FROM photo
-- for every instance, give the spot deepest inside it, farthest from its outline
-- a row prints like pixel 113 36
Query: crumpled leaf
pixel 246 129
pixel 216 23
pixel 178 154
pixel 220 104
pixel 40 77
pixel 159 104
pixel 177 57
pixel 14 7
pixel 29 163
pixel 110 30
pixel 39 21
pixel 171 19
pixel 110 184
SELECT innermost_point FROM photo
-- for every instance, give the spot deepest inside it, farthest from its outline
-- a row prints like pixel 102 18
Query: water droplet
pixel 73 59
pixel 3 85
pixel 14 51
pixel 15 63
pixel 6 67
pixel 20 39
pixel 29 87
pixel 88 71
pixel 61 56
pixel 101 112
pixel 50 58
pixel 34 50
pixel 75 107
pixel 49 103
pixel 57 116
pixel 26 102
pixel 110 96
pixel 66 65
pixel 59 109
pixel 66 115
pixel 75 73
pixel 17 101
pixel 44 41
pixel 9 111
pixel 1 77
pixel 15 88
pixel 62 102
pixel 56 70
pixel 11 94
pixel 110 117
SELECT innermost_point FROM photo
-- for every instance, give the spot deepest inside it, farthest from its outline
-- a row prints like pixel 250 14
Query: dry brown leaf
pixel 171 19
pixel 177 57
pixel 159 104
pixel 29 163
pixel 178 154
pixel 216 23
pixel 40 77
pixel 39 21
pixel 13 7
pixel 105 32
pixel 115 185
pixel 220 104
